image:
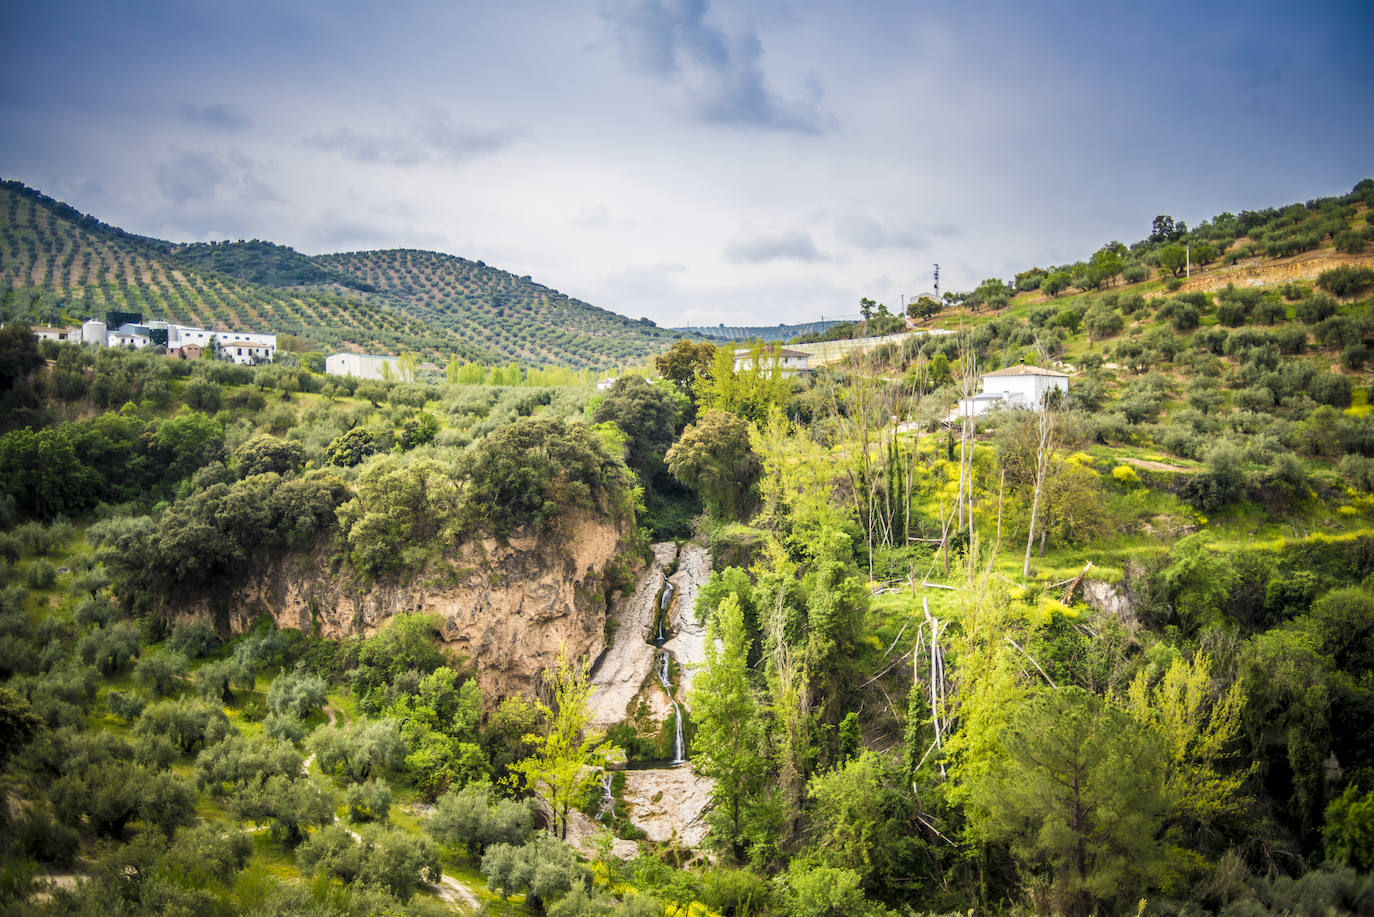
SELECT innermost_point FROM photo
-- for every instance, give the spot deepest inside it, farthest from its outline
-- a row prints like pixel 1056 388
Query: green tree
pixel 569 758
pixel 19 354
pixel 290 805
pixel 1348 837
pixel 729 746
pixel 475 819
pixel 265 452
pixel 359 749
pixel 648 416
pixel 1199 724
pixel 714 458
pixel 295 693
pixel 350 448
pixel 542 868
pixel 1172 258
pixel 1080 792
pixel 161 672
pixel 682 363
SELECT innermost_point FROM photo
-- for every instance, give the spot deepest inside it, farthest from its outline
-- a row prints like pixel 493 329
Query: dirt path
pixel 1149 465
pixel 452 891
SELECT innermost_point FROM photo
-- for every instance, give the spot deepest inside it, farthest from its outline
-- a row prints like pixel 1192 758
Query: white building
pixel 361 365
pixel 49 333
pixel 1013 387
pixel 129 335
pixel 792 361
pixel 242 347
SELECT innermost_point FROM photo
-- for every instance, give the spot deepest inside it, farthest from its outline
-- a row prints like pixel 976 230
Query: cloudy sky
pixel 685 160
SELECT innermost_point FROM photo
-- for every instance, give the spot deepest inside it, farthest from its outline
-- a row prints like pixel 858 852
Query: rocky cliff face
pixel 507 607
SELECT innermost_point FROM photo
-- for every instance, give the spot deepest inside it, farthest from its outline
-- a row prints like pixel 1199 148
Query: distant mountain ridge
pixel 58 264
pixel 779 332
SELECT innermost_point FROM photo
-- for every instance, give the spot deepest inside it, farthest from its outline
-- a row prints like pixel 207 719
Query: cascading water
pixel 667 683
pixel 679 746
pixel 607 799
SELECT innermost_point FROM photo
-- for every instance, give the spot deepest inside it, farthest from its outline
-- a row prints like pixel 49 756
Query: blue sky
pixel 690 161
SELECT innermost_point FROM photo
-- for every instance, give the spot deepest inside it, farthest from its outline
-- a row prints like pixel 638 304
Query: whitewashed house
pixel 790 361
pixel 361 366
pixel 50 333
pixel 243 347
pixel 1013 387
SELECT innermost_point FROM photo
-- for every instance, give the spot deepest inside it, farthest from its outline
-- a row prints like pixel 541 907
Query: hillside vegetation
pixel 513 316
pixel 1115 657
pixel 60 266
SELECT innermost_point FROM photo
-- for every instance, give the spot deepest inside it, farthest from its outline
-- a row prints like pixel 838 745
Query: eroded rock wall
pixel 508 607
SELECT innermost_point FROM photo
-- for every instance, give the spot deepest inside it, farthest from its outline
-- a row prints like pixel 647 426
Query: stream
pixel 656 640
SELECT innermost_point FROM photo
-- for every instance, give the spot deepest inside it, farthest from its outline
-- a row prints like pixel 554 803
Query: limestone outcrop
pixel 507 606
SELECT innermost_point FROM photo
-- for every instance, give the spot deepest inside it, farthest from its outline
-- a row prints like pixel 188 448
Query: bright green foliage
pixel 1348 837
pixel 836 609
pixel 1199 580
pixel 407 643
pixel 1199 723
pixel 1080 793
pixel 568 760
pixel 730 744
pixel 713 457
pixel 827 891
pixel 856 827
pixel 752 392
pixel 580 902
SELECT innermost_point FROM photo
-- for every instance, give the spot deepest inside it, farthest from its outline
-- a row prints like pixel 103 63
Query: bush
pixel 1329 388
pixel 1315 308
pixel 1345 280
pixel 41 574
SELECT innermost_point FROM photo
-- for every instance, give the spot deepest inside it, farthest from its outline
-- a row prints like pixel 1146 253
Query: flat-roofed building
pixel 362 366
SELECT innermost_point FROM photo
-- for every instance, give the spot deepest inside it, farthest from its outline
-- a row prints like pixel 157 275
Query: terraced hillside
pixel 58 265
pixel 512 315
pixel 61 266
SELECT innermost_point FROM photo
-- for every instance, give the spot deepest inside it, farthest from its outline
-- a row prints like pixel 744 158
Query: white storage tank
pixel 94 332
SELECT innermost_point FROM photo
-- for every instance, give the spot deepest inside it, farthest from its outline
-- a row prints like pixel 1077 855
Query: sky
pixel 694 162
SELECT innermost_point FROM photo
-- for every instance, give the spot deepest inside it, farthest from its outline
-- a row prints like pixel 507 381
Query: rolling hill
pixel 59 265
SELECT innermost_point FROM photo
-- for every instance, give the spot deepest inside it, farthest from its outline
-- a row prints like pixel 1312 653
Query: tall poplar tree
pixel 729 747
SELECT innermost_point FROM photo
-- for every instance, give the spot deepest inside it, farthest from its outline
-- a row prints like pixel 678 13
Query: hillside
pixel 514 316
pixel 278 642
pixel 58 265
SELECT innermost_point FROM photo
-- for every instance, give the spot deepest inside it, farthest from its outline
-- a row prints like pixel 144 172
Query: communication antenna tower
pixel 937 283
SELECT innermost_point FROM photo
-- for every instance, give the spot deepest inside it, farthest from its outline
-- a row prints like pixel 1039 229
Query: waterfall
pixel 664 679
pixel 607 798
pixel 667 598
